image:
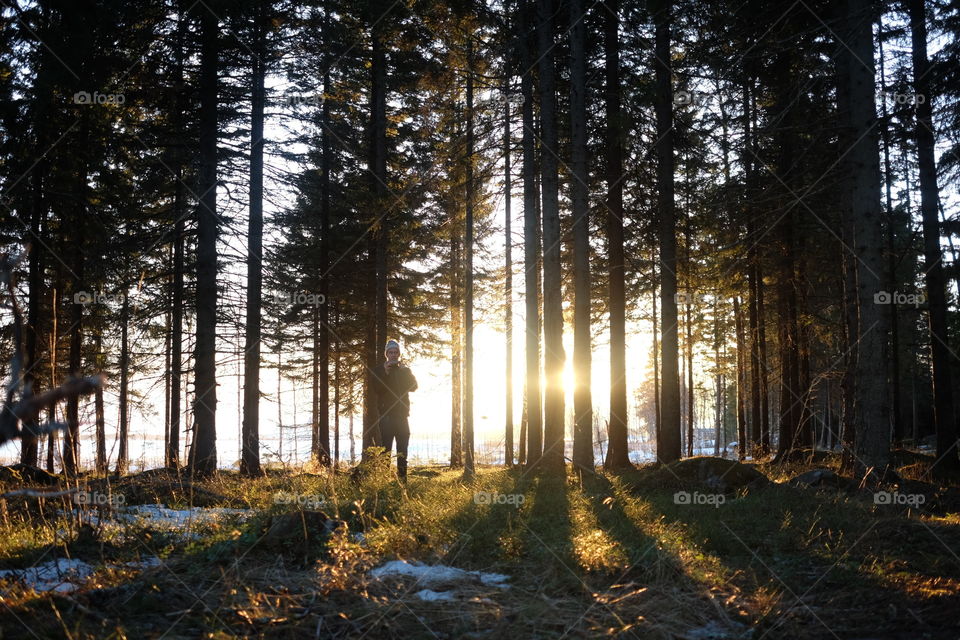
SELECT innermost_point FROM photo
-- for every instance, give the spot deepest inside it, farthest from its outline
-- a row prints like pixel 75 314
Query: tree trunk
pixel 203 453
pixel 250 431
pixel 71 435
pixel 101 427
pixel 377 328
pixel 893 284
pixel 531 257
pixel 943 404
pixel 468 466
pixel 553 358
pixel 320 446
pixel 582 360
pixel 871 401
pixel 123 450
pixel 456 345
pixel 617 451
pixel 508 266
pixel 668 444
pixel 741 381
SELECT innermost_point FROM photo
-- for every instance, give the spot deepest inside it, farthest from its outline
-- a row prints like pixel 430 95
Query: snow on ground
pixel 436 575
pixel 64 575
pixel 158 517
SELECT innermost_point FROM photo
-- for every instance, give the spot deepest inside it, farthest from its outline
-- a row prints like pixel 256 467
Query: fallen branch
pixel 33 493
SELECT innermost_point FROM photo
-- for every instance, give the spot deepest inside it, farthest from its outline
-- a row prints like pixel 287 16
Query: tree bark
pixel 617 450
pixel 203 453
pixel 668 444
pixel 553 358
pixel 871 400
pixel 579 185
pixel 943 403
pixel 123 451
pixel 468 465
pixel 531 257
pixel 250 431
pixel 320 446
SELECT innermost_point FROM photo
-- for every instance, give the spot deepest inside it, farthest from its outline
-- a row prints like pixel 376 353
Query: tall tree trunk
pixel 553 358
pixel 791 396
pixel 741 381
pixel 456 344
pixel 320 446
pixel 668 445
pixel 71 435
pixel 52 347
pixel 947 455
pixel 658 415
pixel 531 253
pixel 250 432
pixel 617 453
pixel 582 347
pixel 203 453
pixel 871 407
pixel 893 285
pixel 30 444
pixel 172 453
pixel 123 450
pixel 100 463
pixel 468 466
pixel 377 320
pixel 508 263
pixel 688 359
pixel 378 146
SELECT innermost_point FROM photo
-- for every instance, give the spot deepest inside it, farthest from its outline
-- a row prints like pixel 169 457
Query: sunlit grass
pixel 598 556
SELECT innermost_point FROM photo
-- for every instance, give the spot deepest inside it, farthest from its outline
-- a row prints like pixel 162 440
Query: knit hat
pixel 391 344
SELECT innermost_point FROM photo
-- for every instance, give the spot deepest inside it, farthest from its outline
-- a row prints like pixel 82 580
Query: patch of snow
pixel 65 575
pixel 158 514
pixel 438 574
pixel 433 596
pixel 57 575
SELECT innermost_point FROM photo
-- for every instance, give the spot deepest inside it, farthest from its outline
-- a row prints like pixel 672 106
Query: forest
pixel 677 280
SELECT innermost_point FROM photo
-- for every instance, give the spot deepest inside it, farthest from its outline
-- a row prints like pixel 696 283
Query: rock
pixel 301 529
pixel 712 474
pixel 814 478
pixel 25 474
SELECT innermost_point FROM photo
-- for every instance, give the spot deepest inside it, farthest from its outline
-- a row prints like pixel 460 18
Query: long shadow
pixel 488 516
pixel 821 556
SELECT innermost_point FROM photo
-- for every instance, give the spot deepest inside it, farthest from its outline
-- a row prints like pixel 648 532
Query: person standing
pixel 392 381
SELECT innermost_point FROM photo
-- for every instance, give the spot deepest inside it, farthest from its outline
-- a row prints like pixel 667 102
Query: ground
pixel 703 550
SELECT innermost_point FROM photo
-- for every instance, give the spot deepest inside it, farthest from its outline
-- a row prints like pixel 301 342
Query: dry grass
pixel 605 556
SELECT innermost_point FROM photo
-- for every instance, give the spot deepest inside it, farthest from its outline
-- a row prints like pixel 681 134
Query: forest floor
pixel 706 549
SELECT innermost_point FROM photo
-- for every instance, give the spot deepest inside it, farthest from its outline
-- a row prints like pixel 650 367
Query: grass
pixel 601 555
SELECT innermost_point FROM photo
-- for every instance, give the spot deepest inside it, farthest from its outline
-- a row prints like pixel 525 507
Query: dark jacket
pixel 391 389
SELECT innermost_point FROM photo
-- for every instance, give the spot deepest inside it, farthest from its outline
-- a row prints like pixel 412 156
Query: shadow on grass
pixel 839 566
